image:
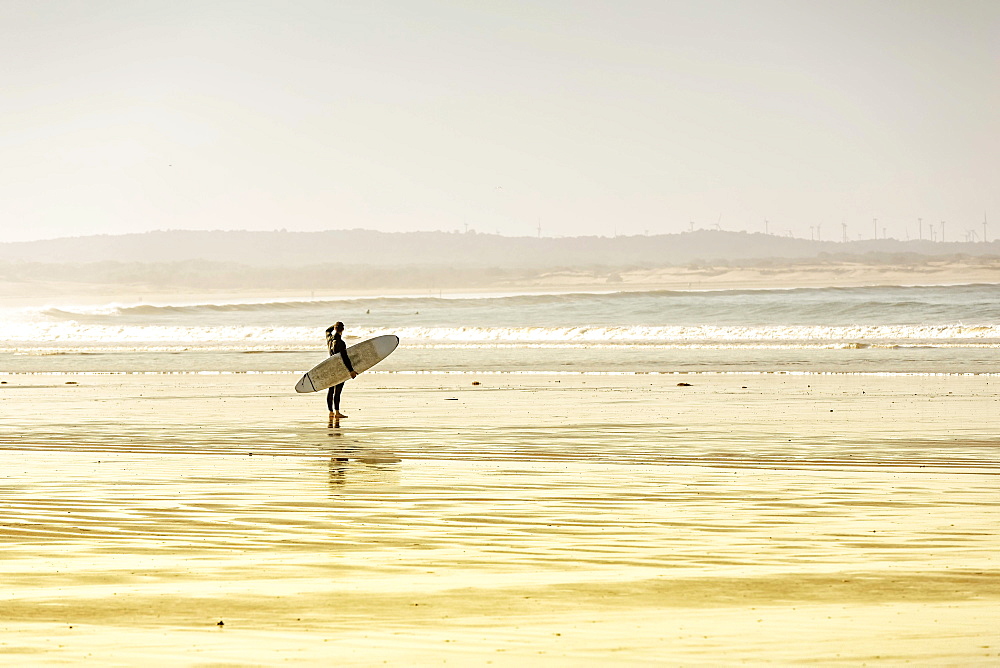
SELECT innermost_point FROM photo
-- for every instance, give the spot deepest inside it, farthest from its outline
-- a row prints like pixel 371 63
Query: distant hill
pixel 338 261
pixel 444 249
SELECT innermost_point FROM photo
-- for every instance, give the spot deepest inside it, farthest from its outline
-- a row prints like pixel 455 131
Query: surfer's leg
pixel 337 389
pixel 329 400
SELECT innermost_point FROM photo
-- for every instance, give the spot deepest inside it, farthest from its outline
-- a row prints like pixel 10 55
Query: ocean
pixel 889 329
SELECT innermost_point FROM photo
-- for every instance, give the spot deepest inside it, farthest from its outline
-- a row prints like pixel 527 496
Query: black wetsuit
pixel 335 345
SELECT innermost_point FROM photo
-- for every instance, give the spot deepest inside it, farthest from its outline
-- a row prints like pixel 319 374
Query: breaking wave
pixel 803 305
pixel 306 338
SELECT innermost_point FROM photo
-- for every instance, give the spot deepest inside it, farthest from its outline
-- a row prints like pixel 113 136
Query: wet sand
pixel 552 519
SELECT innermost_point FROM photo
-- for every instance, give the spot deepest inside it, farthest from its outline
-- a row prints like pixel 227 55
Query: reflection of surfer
pixel 338 470
pixel 335 344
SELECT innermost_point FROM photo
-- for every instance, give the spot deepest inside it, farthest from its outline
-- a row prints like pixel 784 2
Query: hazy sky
pixel 584 117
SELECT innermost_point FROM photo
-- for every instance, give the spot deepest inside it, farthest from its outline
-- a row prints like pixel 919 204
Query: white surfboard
pixel 332 370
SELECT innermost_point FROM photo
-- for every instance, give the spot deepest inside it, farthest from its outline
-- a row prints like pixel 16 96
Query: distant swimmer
pixel 335 344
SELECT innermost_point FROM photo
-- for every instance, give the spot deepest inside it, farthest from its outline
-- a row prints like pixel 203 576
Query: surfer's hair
pixel 336 325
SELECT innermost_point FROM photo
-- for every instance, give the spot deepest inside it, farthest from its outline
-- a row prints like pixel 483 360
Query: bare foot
pixel 339 415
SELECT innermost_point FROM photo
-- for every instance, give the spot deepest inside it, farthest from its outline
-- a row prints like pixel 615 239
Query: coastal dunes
pixel 560 518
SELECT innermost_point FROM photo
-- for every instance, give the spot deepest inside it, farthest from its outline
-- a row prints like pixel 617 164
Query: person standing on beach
pixel 335 344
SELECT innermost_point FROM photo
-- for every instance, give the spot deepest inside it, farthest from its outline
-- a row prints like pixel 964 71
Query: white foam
pixel 467 372
pixel 699 333
pixel 20 335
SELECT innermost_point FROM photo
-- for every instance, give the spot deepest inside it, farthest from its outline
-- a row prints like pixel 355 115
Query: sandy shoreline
pixel 549 519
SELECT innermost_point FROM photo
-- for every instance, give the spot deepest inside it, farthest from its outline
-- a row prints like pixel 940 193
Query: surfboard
pixel 333 371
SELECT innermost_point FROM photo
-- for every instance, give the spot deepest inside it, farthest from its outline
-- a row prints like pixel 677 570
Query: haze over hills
pixel 365 260
pixel 371 248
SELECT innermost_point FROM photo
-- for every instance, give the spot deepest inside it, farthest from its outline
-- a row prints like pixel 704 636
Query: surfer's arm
pixel 341 347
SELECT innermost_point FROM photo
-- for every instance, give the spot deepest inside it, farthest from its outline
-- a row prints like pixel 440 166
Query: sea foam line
pixel 73 332
pixel 454 372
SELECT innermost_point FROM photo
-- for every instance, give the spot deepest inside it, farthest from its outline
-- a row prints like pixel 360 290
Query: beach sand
pixel 550 519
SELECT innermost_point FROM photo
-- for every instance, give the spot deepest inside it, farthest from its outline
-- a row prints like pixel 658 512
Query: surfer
pixel 335 344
